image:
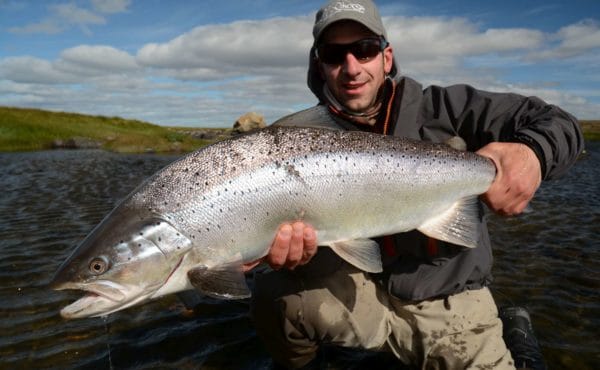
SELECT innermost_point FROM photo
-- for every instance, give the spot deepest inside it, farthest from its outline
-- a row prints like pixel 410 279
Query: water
pixel 545 260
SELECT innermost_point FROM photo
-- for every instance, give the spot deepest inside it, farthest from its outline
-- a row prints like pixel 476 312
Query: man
pixel 431 307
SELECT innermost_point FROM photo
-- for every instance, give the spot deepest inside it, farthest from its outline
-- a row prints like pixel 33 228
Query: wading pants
pixel 330 301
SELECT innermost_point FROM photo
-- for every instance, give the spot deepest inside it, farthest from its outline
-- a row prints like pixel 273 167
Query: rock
pixel 249 122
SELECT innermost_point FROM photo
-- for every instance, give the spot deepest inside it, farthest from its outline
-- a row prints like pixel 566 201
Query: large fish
pixel 194 223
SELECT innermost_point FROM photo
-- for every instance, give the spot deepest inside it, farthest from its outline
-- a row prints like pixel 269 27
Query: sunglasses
pixel 363 50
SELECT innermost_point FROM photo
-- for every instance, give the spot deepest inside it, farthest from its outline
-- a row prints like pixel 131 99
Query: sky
pixel 205 63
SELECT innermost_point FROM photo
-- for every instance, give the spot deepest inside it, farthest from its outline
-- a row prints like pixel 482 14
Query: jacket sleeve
pixel 481 117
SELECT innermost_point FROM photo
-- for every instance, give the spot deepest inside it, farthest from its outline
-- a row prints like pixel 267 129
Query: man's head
pixel 351 53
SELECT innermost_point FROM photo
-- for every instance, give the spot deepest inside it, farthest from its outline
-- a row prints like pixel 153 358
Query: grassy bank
pixel 591 129
pixel 34 129
pixel 24 129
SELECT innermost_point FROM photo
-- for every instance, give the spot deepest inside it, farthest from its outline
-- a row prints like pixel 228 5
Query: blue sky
pixel 204 63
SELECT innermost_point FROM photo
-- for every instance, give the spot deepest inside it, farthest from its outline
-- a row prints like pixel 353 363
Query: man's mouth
pixel 353 87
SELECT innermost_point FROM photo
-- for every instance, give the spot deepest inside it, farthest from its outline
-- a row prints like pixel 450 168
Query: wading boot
pixel 520 339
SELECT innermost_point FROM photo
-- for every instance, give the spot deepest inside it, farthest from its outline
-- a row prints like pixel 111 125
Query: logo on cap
pixel 341 6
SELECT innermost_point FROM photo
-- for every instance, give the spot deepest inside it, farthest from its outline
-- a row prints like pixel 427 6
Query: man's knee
pixel 277 312
pixel 270 295
pixel 289 296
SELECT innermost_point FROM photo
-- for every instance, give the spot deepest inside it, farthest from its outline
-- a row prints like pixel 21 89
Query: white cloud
pixel 76 65
pixel 435 43
pixel 111 6
pixel 33 70
pixel 574 40
pixel 214 73
pixel 241 47
pixel 88 60
pixel 76 15
pixel 48 26
pixel 63 16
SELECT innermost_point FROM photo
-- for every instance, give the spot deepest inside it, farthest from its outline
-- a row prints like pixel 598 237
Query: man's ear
pixel 388 59
pixel 320 68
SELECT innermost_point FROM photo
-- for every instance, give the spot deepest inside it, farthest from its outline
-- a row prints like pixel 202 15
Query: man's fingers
pixel 279 250
pixel 310 244
pixel 296 245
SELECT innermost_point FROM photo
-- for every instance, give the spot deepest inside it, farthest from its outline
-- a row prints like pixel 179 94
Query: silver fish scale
pixel 230 197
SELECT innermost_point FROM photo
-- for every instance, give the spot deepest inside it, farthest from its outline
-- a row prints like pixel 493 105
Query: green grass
pixel 23 129
pixel 33 129
pixel 591 130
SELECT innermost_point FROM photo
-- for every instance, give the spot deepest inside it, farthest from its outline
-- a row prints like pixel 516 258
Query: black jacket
pixel 417 271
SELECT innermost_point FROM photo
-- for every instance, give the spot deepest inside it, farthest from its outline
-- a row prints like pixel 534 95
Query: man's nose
pixel 351 65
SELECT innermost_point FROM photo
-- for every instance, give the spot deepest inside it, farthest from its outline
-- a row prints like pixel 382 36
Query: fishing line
pixel 106 327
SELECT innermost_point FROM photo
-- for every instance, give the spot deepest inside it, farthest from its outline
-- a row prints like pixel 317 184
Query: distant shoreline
pixel 25 129
pixel 591 129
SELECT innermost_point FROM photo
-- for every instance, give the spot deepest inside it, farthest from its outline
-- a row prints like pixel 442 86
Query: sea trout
pixel 193 224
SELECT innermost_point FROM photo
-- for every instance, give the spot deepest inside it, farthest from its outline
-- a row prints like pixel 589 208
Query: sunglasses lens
pixel 363 50
pixel 366 49
pixel 332 53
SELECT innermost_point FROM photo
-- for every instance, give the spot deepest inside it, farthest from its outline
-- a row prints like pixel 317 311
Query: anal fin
pixel 459 225
pixel 362 253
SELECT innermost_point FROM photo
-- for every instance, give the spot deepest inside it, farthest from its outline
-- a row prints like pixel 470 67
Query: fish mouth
pixel 101 298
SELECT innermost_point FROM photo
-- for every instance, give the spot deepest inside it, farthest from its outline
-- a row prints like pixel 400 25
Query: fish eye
pixel 98 265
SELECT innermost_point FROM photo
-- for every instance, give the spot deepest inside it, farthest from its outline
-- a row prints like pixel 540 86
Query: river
pixel 546 260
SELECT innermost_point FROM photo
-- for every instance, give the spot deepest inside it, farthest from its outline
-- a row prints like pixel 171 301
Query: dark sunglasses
pixel 363 50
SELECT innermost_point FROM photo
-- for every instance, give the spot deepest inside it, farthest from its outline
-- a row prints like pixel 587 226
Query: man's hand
pixel 294 244
pixel 518 177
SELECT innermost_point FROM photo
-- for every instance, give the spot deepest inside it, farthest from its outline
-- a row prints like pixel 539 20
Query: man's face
pixel 354 83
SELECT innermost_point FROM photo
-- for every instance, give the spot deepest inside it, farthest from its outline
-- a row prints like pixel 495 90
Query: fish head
pixel 122 262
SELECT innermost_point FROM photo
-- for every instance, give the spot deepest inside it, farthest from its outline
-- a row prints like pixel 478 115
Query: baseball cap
pixel 362 11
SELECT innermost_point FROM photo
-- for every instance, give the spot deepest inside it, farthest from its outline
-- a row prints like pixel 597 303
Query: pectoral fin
pixel 458 225
pixel 362 253
pixel 224 282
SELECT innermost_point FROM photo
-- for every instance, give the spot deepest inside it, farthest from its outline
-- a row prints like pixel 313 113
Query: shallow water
pixel 546 260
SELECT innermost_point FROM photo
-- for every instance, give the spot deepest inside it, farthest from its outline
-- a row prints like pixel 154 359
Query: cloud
pixel 241 47
pixel 47 26
pixel 212 74
pixel 573 40
pixel 426 44
pixel 111 6
pixel 434 44
pixel 33 70
pixel 88 60
pixel 76 65
pixel 63 16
